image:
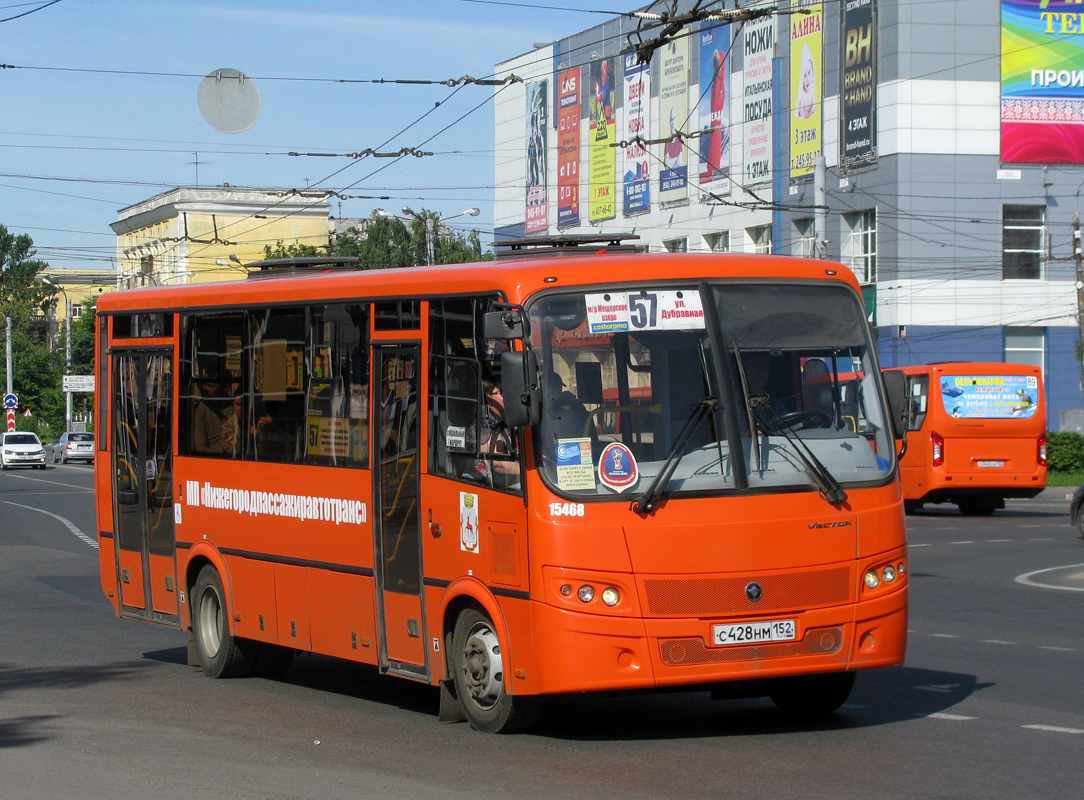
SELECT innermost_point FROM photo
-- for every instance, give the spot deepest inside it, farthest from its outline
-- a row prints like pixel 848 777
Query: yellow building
pixel 201 234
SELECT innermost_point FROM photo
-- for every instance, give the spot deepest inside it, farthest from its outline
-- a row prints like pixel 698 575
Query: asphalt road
pixel 989 704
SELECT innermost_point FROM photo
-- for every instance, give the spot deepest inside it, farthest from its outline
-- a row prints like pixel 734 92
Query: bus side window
pixel 918 388
pixel 278 354
pixel 211 375
pixel 337 381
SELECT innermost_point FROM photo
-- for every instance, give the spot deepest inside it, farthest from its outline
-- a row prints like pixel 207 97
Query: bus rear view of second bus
pixel 976 435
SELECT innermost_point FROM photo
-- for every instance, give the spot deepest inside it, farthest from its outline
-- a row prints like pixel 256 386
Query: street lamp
pixel 431 229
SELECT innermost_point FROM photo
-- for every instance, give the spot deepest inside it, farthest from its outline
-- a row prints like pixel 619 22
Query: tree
pixel 389 242
pixel 36 371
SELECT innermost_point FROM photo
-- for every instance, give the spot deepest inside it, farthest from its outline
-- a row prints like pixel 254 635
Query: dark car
pixel 1076 509
pixel 74 446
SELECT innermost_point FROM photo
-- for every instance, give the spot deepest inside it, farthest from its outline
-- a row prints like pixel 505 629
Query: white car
pixel 19 449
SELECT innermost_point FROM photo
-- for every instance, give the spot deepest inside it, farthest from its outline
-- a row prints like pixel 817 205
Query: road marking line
pixel 1026 579
pixel 919 545
pixel 996 641
pixel 972 541
pixel 1052 729
pixel 1041 539
pixel 944 636
pixel 942 715
pixel 71 526
pixel 51 483
pixel 1058 649
pixel 997 541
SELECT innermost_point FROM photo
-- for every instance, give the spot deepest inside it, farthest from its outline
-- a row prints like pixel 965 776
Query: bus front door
pixel 143 485
pixel 396 521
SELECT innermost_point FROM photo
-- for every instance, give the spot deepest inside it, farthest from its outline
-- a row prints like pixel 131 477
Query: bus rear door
pixel 142 469
pixel 396 521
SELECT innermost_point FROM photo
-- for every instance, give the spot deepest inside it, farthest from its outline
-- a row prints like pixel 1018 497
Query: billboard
pixel 858 95
pixel 806 38
pixel 537 219
pixel 715 110
pixel 758 45
pixel 601 155
pixel 1042 82
pixel 568 148
pixel 637 181
pixel 674 118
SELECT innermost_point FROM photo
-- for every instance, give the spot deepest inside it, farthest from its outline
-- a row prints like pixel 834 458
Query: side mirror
pixel 896 391
pixel 504 324
pixel 519 383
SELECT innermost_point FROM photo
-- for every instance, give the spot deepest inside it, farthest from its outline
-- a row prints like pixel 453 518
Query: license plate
pixel 991 463
pixel 779 630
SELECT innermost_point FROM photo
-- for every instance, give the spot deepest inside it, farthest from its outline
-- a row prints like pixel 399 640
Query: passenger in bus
pixel 274 441
pixel 231 427
pixel 565 416
pixel 208 417
pixel 495 439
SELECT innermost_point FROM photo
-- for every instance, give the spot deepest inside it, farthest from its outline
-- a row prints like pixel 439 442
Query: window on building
pixel 1025 346
pixel 717 242
pixel 761 237
pixel 805 238
pixel 1023 230
pixel 676 245
pixel 77 310
pixel 146 264
pixel 860 246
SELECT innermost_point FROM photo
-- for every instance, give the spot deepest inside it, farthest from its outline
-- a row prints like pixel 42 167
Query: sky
pixel 98 105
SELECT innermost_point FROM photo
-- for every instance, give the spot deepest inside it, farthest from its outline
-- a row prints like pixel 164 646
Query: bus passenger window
pixel 278 354
pixel 211 377
pixel 337 393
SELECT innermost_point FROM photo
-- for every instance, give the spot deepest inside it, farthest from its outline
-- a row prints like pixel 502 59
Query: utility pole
pixel 1079 295
pixel 820 206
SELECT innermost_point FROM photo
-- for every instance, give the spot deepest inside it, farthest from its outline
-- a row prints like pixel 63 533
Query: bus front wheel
pixel 221 655
pixel 812 695
pixel 479 672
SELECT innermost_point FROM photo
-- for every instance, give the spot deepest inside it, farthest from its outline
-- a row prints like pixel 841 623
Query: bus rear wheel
pixel 221 655
pixel 812 695
pixel 479 673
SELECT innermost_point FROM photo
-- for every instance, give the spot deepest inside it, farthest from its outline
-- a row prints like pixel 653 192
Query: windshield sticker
pixel 617 467
pixel 608 313
pixel 670 310
pixel 574 467
pixel 468 522
pixel 990 396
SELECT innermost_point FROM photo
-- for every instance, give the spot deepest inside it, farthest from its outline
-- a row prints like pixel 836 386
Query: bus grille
pixel 690 652
pixel 698 597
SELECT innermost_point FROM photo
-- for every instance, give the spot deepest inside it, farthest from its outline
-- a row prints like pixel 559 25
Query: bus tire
pixel 220 654
pixel 812 695
pixel 479 673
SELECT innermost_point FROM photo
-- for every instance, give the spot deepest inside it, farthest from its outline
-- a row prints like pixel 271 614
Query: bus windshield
pixel 686 389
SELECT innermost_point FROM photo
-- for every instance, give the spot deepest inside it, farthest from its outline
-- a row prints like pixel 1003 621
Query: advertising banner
pixel 715 110
pixel 637 194
pixel 1042 82
pixel 602 156
pixel 758 44
pixel 990 396
pixel 568 148
pixel 537 218
pixel 806 37
pixel 674 116
pixel 858 95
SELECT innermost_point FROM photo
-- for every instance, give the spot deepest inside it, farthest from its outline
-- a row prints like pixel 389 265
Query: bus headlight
pixel 873 580
pixel 889 574
pixel 586 593
pixel 610 596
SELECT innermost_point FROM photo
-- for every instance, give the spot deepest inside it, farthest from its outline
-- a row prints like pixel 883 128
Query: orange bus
pixel 976 434
pixel 305 461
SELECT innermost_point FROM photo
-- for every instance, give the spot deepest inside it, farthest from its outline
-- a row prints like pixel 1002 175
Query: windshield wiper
pixel 648 499
pixel 827 485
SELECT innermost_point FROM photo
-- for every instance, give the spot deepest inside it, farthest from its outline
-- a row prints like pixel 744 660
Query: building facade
pixel 201 234
pixel 936 150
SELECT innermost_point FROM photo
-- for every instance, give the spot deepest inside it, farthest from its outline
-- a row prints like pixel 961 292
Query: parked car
pixel 1076 509
pixel 74 446
pixel 18 449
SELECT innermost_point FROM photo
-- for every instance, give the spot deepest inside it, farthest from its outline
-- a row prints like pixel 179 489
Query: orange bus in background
pixel 976 435
pixel 304 462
